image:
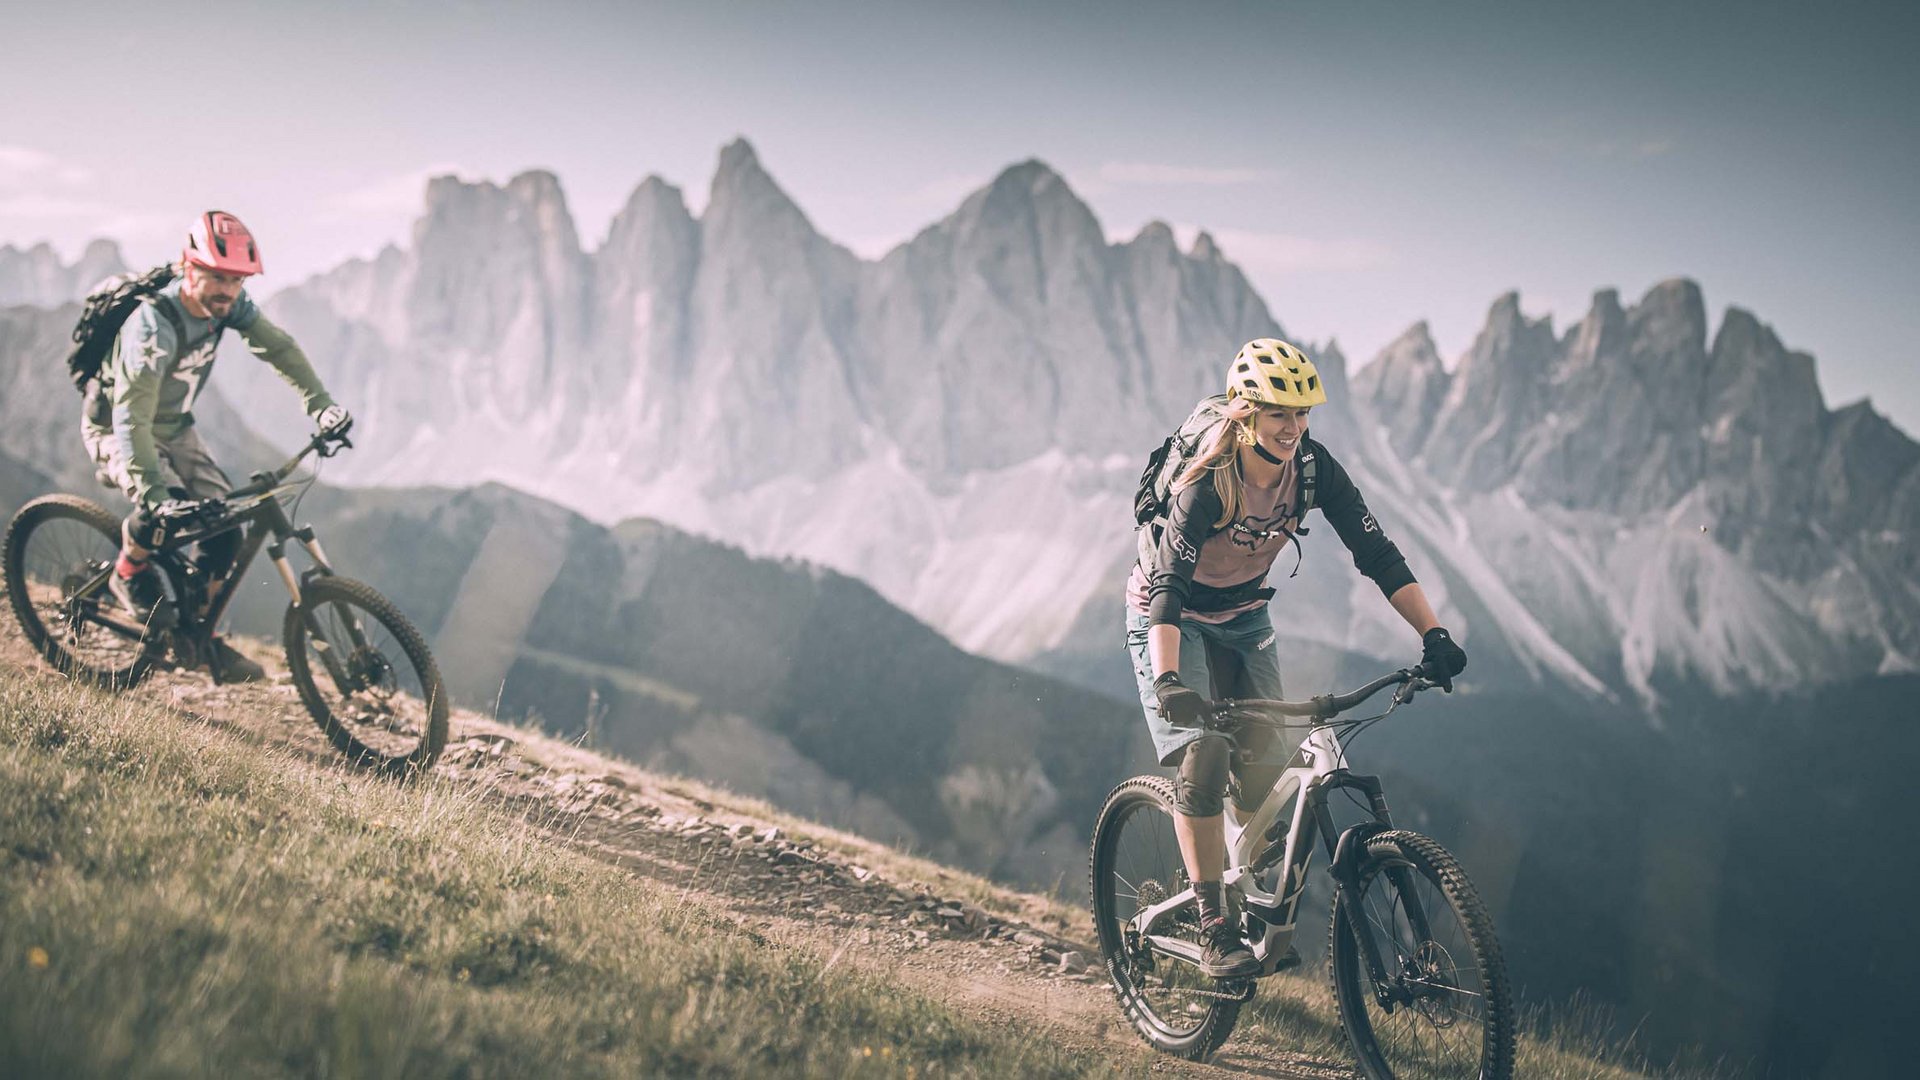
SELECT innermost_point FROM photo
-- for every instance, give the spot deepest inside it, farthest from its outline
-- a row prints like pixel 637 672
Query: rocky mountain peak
pixel 1156 236
pixel 652 194
pixel 655 214
pixel 37 276
pixel 1405 384
pixel 738 156
pixel 1669 331
pixel 1492 395
pixel 1205 249
pixel 1031 195
pixel 537 186
pixel 743 193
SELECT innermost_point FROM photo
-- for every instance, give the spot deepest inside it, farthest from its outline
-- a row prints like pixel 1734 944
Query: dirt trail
pixel 1004 957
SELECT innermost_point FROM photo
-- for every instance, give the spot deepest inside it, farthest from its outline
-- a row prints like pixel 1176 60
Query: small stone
pixel 1072 962
pixel 770 834
pixel 1029 939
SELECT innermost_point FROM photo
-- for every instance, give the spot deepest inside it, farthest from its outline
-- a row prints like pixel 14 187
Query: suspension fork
pixel 273 519
pixel 1346 855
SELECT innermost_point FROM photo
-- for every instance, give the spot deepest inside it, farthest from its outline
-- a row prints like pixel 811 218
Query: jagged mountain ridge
pixel 38 277
pixel 1691 501
pixel 741 375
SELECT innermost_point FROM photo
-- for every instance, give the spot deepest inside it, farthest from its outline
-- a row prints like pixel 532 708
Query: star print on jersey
pixel 192 369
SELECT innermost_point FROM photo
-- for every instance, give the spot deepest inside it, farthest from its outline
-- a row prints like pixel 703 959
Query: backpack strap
pixel 1309 482
pixel 1305 489
pixel 171 312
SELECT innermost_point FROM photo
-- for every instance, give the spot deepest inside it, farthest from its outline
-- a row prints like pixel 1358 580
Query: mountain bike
pixel 1417 974
pixel 360 667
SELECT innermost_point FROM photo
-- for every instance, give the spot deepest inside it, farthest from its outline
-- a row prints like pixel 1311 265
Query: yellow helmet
pixel 1272 372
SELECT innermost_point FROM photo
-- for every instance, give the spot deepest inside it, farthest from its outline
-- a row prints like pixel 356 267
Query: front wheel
pixel 1135 864
pixel 59 551
pixel 365 674
pixel 1443 1009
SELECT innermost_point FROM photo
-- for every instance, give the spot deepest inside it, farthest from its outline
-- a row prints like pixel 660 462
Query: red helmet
pixel 217 241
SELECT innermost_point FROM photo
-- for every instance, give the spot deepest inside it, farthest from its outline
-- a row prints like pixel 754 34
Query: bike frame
pixel 256 508
pixel 1267 840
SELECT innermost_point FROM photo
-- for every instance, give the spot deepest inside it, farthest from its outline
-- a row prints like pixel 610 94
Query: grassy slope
pixel 176 901
pixel 180 900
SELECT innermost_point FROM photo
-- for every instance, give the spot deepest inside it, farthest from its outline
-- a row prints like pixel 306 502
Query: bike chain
pixel 1244 994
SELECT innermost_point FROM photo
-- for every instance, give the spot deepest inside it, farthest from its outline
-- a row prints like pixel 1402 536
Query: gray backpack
pixel 1155 493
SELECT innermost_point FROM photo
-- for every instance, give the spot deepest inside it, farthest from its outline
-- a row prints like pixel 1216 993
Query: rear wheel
pixel 58 552
pixel 1447 1013
pixel 365 674
pixel 1136 864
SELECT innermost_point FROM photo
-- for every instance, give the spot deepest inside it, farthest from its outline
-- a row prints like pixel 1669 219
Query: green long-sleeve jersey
pixel 155 374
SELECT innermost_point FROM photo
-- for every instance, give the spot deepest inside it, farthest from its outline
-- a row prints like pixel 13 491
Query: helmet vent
pixel 1313 382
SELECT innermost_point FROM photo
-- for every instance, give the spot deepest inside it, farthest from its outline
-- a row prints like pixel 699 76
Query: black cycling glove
pixel 1182 705
pixel 1441 656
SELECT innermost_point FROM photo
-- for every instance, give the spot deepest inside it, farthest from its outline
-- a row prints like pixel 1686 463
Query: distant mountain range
pixel 960 424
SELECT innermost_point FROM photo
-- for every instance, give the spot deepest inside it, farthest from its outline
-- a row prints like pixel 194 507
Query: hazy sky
pixel 1369 165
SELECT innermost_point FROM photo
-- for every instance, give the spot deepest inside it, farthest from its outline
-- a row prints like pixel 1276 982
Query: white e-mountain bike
pixel 1416 969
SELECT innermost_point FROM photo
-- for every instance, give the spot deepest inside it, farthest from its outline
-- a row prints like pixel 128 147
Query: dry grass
pixel 177 901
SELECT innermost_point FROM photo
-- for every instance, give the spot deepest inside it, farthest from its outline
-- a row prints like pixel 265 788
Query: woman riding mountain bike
pixel 1197 604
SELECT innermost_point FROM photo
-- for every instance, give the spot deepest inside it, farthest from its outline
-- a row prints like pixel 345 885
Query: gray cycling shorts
pixel 184 462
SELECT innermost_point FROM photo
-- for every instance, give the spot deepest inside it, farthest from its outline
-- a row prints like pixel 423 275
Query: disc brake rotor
pixel 1430 979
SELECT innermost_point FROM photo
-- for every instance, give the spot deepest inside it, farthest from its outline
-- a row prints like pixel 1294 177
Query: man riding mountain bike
pixel 1197 611
pixel 137 420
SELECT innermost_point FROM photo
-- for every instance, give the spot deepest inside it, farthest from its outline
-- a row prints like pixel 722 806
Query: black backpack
pixel 106 311
pixel 1165 464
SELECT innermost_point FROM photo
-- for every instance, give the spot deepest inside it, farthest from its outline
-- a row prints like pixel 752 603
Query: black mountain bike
pixel 1417 974
pixel 359 665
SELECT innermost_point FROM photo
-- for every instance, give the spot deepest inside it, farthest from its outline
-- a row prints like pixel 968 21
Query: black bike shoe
pixel 143 598
pixel 233 665
pixel 1223 955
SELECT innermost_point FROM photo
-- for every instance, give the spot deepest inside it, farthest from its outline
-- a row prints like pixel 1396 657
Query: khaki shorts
pixel 184 463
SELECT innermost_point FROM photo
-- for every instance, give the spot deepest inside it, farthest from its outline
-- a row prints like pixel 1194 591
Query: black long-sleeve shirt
pixel 1172 548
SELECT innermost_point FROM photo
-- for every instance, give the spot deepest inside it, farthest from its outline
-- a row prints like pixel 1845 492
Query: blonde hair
pixel 1219 455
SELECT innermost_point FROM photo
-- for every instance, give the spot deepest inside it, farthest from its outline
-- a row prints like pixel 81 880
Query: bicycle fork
pixel 337 667
pixel 1347 855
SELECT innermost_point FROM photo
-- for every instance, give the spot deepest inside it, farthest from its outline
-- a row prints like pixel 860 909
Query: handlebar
pixel 1325 707
pixel 325 443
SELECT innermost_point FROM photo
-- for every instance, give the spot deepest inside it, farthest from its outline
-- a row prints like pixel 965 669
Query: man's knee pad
pixel 141 529
pixel 1200 789
pixel 217 553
